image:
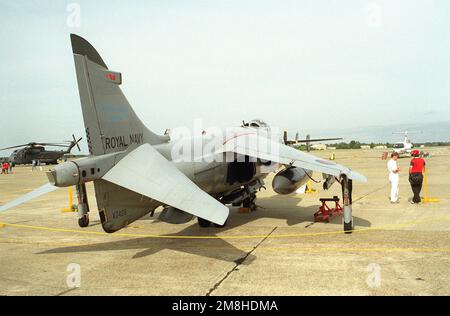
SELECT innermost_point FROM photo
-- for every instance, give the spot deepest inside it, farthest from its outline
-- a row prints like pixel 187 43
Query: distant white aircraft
pixel 404 148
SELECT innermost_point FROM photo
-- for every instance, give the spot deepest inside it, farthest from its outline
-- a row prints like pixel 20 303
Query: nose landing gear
pixel 248 204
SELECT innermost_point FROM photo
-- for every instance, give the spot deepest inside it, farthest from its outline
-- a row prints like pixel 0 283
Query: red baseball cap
pixel 415 153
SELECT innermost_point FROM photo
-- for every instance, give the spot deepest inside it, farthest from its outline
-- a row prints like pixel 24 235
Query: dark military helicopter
pixel 36 151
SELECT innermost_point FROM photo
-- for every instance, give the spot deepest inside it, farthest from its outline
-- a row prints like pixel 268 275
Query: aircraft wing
pixel 318 140
pixel 147 172
pixel 313 140
pixel 257 146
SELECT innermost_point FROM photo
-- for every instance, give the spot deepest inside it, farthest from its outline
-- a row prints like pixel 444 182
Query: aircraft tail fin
pixel 110 122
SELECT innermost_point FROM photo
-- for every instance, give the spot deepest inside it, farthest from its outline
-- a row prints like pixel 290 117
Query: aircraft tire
pixel 250 202
pixel 83 221
pixel 203 222
pixel 348 227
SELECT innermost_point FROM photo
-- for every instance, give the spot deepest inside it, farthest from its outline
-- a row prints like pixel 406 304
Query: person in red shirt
pixel 5 167
pixel 416 175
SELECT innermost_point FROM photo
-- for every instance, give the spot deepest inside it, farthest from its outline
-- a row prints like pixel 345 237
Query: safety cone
pixel 309 188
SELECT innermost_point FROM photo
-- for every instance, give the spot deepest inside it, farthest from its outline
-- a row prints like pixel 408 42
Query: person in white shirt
pixel 394 176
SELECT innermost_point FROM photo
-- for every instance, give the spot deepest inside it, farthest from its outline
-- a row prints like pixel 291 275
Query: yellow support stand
pixel 426 198
pixel 309 188
pixel 71 207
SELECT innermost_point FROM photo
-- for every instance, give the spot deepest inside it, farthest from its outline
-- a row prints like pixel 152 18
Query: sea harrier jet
pixel 135 171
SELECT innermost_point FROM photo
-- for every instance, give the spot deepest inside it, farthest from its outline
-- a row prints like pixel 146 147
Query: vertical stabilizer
pixel 110 122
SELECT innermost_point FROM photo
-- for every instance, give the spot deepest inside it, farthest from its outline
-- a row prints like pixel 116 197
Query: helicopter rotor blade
pixel 15 146
pixel 77 141
pixel 32 144
pixel 53 145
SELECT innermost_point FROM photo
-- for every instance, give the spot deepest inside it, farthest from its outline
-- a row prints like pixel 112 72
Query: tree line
pixel 357 145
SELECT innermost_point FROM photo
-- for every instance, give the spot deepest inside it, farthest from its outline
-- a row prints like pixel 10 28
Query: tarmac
pixel 396 249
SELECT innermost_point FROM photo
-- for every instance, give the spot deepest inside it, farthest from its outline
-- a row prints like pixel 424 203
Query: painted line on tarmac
pixel 370 193
pixel 238 262
pixel 41 243
pixel 379 228
pixel 291 249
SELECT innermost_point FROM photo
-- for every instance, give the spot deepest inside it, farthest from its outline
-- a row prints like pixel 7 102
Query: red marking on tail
pixel 111 77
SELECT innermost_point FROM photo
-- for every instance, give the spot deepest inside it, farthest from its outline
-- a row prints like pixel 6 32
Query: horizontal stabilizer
pixel 147 172
pixel 46 188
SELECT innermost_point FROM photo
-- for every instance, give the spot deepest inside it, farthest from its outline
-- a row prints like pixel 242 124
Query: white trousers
pixel 394 188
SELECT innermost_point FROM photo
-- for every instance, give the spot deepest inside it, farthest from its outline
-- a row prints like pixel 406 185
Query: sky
pixel 299 65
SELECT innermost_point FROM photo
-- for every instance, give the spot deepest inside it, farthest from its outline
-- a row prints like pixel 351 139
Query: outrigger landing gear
pixel 84 221
pixel 83 206
pixel 347 198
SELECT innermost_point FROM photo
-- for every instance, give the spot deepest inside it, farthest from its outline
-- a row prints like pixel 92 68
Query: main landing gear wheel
pixel 348 227
pixel 203 222
pixel 84 221
pixel 250 202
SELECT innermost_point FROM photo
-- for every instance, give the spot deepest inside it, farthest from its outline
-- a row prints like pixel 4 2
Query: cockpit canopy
pixel 256 123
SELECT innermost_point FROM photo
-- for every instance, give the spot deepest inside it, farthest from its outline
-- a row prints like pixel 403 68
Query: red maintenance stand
pixel 325 212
